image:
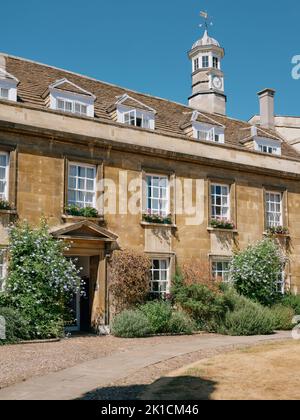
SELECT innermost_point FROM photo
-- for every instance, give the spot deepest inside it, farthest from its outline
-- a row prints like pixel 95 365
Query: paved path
pixel 74 382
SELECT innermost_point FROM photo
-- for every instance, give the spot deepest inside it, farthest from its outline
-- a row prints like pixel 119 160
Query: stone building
pixel 157 172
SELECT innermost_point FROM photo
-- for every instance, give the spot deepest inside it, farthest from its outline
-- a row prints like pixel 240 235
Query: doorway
pixel 80 302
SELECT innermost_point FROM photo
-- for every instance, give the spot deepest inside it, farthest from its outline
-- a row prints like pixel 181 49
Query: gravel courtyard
pixel 21 362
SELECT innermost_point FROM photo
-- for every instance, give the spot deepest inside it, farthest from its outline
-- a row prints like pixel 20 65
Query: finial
pixel 207 20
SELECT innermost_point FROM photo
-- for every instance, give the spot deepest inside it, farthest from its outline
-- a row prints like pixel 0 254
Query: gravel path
pixel 21 362
pixel 133 387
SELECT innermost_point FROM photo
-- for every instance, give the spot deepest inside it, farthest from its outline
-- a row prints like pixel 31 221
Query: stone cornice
pixel 116 137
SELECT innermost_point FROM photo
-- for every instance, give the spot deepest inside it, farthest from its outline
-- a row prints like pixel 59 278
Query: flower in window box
pixel 150 217
pixel 76 211
pixel 5 205
pixel 278 230
pixel 219 223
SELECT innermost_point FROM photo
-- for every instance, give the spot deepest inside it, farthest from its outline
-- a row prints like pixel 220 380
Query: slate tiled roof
pixel 171 117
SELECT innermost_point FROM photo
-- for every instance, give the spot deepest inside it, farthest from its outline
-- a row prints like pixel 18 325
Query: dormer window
pixel 8 86
pixel 268 146
pixel 67 97
pixel 205 132
pixel 72 106
pixel 137 119
pixel 4 92
pixel 133 112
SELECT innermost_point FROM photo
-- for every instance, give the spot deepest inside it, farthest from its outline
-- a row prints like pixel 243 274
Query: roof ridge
pixel 94 79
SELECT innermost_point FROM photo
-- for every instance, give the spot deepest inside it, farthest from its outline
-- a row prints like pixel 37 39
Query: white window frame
pixel 215 59
pixel 160 211
pixel 147 119
pixel 84 203
pixel 3 269
pixel 268 203
pixel 160 281
pixel 205 58
pixel 5 195
pixel 74 104
pixel 2 90
pixel 267 146
pixel 196 64
pixel 207 132
pixel 223 273
pixel 213 202
pixel 10 85
pixel 281 283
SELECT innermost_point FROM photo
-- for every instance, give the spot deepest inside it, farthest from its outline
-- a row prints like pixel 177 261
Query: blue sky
pixel 143 45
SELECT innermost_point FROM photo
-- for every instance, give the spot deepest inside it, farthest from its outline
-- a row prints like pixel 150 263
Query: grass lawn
pixel 265 372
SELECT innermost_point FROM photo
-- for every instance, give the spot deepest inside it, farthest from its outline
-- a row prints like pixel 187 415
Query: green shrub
pixel 283 317
pixel 292 301
pixel 131 324
pixel 41 280
pixel 159 314
pixel 206 307
pixel 16 326
pixel 74 210
pixel 255 271
pixel 181 323
pixel 247 318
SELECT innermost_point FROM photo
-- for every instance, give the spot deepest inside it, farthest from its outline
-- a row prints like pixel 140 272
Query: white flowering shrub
pixel 255 271
pixel 41 281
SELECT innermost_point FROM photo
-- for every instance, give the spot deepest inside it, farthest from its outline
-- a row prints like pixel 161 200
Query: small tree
pixel 256 271
pixel 130 277
pixel 41 281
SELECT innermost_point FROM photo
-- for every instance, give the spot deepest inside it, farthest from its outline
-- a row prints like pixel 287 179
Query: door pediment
pixel 83 230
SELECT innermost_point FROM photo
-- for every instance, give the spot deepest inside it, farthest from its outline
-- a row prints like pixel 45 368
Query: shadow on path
pixel 181 388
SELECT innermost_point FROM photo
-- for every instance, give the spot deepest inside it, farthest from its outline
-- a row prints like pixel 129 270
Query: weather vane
pixel 207 20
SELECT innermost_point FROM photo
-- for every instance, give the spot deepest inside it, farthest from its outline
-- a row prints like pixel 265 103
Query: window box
pixel 222 224
pixel 157 219
pixel 74 219
pixel 278 231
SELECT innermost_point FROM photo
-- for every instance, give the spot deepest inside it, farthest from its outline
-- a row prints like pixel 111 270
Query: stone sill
pixel 233 231
pixel 161 225
pixel 13 212
pixel 278 235
pixel 74 219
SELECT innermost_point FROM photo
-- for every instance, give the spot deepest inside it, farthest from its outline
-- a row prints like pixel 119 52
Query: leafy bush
pixel 16 326
pixel 206 307
pixel 131 324
pixel 73 210
pixel 41 281
pixel 159 315
pixel 195 271
pixel 255 271
pixel 283 317
pixel 181 323
pixel 130 276
pixel 292 301
pixel 222 224
pixel 5 205
pixel 156 218
pixel 247 318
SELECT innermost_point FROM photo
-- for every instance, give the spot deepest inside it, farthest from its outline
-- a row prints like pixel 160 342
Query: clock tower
pixel 207 76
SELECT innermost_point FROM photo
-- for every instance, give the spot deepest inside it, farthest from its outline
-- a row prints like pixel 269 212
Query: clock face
pixel 217 82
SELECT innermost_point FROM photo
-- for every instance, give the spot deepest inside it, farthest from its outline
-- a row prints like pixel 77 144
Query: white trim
pixel 228 216
pixel 86 166
pixel 275 193
pixel 149 116
pixel 8 75
pixel 272 144
pixel 62 81
pixel 168 277
pixel 168 207
pixel 6 190
pixel 126 96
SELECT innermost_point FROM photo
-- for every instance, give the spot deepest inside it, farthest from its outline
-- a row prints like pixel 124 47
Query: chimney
pixel 267 114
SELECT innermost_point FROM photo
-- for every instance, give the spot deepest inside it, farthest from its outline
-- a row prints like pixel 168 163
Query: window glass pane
pixel 83 193
pixel 68 106
pixel 3 160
